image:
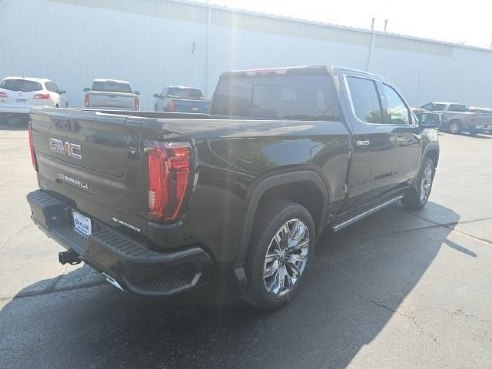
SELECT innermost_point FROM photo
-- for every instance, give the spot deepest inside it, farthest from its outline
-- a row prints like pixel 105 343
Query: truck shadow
pixel 358 281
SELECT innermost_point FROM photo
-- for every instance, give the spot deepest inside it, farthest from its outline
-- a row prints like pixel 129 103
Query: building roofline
pixel 330 25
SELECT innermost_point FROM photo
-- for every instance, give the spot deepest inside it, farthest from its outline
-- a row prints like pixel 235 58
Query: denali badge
pixel 116 220
pixel 73 181
pixel 66 148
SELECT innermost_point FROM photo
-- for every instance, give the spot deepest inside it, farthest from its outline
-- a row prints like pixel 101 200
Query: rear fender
pixel 254 199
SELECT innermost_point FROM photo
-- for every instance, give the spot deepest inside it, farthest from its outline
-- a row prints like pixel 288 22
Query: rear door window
pixel 365 99
pixel 438 107
pixel 20 85
pixel 457 107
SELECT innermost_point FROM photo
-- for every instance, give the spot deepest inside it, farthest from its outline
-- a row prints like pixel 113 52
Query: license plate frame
pixel 82 224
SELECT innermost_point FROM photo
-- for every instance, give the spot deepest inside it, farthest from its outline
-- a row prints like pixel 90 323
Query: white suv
pixel 19 94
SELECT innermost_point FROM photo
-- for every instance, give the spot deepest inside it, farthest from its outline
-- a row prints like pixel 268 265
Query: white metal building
pixel 155 43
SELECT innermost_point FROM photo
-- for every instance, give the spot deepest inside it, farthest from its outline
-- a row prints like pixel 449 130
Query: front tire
pixel 455 128
pixel 417 197
pixel 281 248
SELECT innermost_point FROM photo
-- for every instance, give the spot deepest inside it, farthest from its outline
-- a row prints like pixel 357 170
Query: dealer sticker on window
pixel 82 224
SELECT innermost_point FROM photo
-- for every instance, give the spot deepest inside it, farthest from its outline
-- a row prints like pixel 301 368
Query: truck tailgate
pixel 191 106
pixel 86 157
pixel 116 100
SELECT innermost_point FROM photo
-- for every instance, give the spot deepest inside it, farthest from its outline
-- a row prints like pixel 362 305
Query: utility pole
pixel 371 46
pixel 207 56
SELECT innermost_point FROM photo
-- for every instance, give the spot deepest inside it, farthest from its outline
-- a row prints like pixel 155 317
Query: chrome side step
pixel 348 222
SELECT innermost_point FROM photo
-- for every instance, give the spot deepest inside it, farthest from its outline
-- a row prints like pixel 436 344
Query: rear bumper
pixel 15 109
pixel 110 108
pixel 122 260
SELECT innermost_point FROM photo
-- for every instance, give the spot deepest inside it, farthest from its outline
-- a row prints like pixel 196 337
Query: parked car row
pixel 456 118
pixel 19 94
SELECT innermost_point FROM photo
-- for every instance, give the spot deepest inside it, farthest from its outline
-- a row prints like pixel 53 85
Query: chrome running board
pixel 349 221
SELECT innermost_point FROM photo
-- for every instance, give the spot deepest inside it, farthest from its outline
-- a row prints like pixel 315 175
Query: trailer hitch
pixel 69 257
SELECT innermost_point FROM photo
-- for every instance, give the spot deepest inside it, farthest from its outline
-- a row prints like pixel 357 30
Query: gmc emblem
pixel 66 148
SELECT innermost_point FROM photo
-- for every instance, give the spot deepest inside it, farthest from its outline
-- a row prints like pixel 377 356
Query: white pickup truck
pixel 457 118
pixel 112 95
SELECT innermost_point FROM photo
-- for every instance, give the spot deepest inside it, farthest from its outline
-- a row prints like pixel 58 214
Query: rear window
pixel 277 96
pixel 111 87
pixel 20 85
pixel 185 93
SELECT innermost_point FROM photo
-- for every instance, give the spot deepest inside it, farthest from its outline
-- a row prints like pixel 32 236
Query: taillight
pixel 31 147
pixel 172 105
pixel 86 101
pixel 169 166
pixel 3 94
pixel 473 117
pixel 137 103
pixel 41 96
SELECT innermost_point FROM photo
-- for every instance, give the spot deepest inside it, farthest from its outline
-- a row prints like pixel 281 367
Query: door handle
pixel 363 143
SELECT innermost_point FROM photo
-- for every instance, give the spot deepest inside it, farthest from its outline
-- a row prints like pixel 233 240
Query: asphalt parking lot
pixel 397 290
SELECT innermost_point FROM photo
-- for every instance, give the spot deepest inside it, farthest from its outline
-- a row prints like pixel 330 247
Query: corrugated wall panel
pixel 154 43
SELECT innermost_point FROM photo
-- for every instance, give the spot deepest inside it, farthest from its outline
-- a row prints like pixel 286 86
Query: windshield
pixel 107 86
pixel 21 85
pixel 185 93
pixel 300 97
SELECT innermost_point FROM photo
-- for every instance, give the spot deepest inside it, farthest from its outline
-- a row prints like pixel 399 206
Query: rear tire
pixel 281 248
pixel 416 197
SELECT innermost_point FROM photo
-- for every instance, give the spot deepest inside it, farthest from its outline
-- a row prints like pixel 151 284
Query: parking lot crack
pixel 463 314
pixel 15 234
pixel 412 318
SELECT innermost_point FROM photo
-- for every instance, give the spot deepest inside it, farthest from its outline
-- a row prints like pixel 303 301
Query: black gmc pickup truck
pixel 163 203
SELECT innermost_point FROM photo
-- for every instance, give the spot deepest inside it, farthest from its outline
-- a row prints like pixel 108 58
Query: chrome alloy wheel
pixel 286 257
pixel 426 183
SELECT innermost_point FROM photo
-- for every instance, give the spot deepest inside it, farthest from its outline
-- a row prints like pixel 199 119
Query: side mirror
pixel 62 92
pixel 429 120
pixel 137 92
pixel 157 96
pixel 86 89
